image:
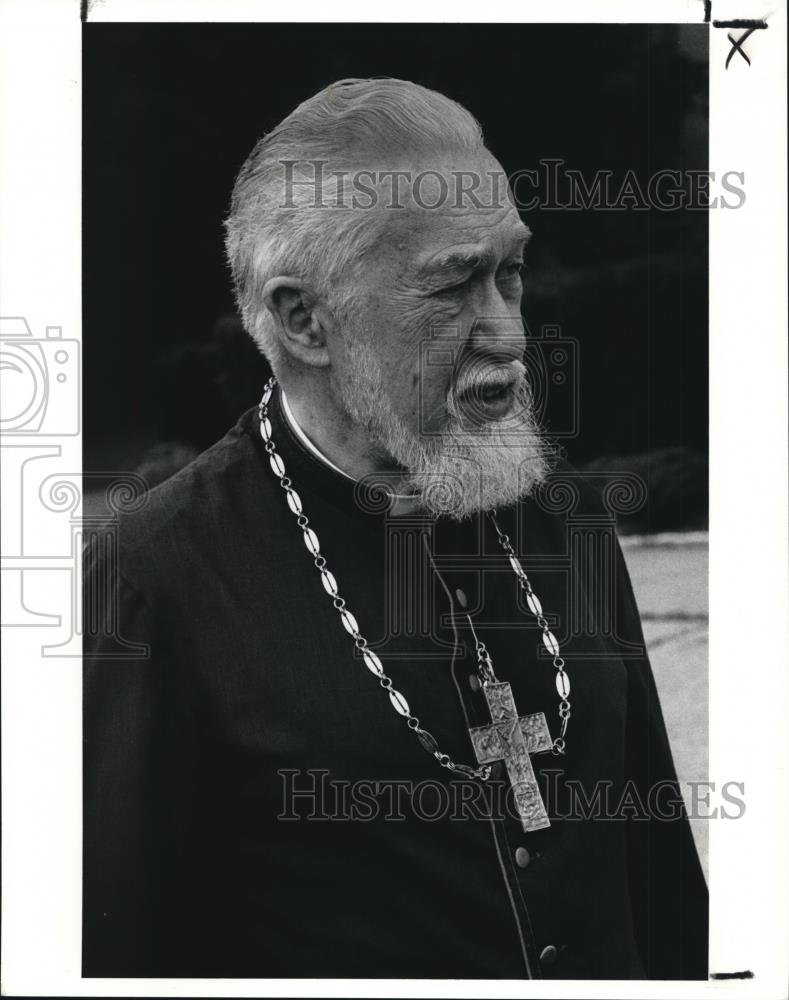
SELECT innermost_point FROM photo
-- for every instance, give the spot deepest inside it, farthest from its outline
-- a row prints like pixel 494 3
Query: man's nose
pixel 501 336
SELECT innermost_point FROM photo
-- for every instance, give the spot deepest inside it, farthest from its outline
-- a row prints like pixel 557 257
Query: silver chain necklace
pixel 509 737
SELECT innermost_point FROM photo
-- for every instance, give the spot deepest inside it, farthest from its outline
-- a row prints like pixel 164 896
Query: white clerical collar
pixel 303 437
pixel 401 504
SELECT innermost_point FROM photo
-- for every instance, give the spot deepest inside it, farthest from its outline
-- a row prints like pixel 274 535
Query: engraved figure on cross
pixel 512 738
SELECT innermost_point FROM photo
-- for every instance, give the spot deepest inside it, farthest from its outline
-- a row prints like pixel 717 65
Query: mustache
pixel 489 374
pixel 474 377
pixel 483 373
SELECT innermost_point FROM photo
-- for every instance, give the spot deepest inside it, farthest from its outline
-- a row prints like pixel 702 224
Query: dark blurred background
pixel 171 111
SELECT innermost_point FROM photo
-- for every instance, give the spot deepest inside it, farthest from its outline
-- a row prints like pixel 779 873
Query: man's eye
pixel 453 289
pixel 513 270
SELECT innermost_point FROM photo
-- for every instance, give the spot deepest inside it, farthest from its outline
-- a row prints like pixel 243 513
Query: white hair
pixel 273 230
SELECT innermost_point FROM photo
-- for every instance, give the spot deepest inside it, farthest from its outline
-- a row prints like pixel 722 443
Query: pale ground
pixel 669 577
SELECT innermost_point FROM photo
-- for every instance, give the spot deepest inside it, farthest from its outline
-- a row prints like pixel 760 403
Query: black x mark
pixel 736 46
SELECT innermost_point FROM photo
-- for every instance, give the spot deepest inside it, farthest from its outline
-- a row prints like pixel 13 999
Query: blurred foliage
pixel 676 481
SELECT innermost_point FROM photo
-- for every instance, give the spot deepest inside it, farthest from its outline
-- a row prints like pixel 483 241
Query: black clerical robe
pixel 253 805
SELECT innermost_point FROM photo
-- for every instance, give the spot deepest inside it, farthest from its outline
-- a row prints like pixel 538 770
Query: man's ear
pixel 302 319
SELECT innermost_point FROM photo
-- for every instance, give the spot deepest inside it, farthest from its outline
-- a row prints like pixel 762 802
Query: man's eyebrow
pixel 456 260
pixel 472 258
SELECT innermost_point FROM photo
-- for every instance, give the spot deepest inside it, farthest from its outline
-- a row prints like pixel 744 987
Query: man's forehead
pixel 437 239
pixel 435 202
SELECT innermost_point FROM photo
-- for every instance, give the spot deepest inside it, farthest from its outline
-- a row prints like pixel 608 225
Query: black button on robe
pixel 230 731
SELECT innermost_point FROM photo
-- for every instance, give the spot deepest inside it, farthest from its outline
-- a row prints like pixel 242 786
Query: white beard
pixel 460 471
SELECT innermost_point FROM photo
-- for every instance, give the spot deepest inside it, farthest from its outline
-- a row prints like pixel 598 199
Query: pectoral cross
pixel 512 739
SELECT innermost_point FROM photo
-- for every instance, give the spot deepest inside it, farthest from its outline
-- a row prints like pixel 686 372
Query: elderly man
pixel 340 716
